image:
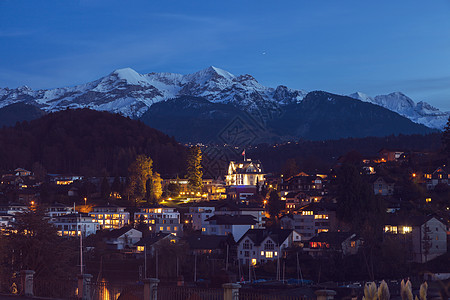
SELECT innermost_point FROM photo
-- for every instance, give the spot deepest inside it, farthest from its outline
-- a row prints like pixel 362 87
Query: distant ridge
pixel 136 95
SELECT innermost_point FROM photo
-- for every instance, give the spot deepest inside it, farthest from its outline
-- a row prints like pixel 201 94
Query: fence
pixel 106 291
pixel 149 290
pixel 61 288
pixel 252 294
pixel 182 293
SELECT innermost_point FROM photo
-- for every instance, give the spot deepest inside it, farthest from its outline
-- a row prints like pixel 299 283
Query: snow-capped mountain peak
pixel 361 96
pixel 422 112
pixel 129 76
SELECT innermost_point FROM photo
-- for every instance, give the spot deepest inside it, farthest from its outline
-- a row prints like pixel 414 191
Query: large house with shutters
pixel 258 246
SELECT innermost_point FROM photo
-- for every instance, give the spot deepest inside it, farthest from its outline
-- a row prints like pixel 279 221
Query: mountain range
pixel 209 103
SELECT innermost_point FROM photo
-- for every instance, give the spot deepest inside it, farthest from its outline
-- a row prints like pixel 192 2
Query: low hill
pixel 18 112
pixel 88 142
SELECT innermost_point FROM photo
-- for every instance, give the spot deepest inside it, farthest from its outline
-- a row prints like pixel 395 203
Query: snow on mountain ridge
pixel 422 112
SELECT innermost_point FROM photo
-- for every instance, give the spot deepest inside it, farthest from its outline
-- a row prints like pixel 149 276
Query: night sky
pixel 375 47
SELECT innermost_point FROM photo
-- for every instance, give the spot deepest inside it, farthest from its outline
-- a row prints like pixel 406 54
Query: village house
pixel 150 242
pixel 294 200
pixel 74 224
pixel 242 208
pixel 13 209
pixel 123 238
pixel 425 236
pixel 383 186
pixel 303 182
pixel 390 154
pixel 258 246
pixel 6 221
pixel 440 176
pixel 160 219
pixel 215 245
pixel 110 216
pixel 325 243
pixel 197 215
pixel 58 209
pixel 236 225
pixel 311 219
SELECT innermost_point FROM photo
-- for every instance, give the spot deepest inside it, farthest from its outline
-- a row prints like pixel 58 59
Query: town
pixel 368 218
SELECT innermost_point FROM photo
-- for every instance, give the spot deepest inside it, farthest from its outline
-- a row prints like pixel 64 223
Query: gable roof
pixel 333 238
pixel 409 220
pixel 153 238
pixel 259 235
pixel 233 220
pixel 116 233
pixel 207 242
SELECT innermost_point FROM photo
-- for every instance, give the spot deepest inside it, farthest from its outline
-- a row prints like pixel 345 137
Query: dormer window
pixel 269 245
pixel 247 245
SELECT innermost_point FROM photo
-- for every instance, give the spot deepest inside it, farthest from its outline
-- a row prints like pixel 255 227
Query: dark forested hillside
pixel 87 142
pixel 18 112
pixel 313 156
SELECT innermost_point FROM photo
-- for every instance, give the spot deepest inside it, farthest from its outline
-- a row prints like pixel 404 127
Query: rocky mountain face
pixel 129 93
pixel 212 99
pixel 421 112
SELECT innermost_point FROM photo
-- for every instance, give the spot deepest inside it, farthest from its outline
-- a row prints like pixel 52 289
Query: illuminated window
pixel 203 229
pixel 262 253
pixel 253 261
pixel 140 248
pixel 161 228
pixel 428 200
pixel 175 228
pixel 269 254
pixel 391 229
pixel 406 229
pixel 307 213
pixel 168 228
pixel 322 230
pixel 353 244
pixel 276 253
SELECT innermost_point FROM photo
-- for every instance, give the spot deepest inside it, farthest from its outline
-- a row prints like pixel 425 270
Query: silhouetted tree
pixel 274 205
pixel 194 166
pixel 140 171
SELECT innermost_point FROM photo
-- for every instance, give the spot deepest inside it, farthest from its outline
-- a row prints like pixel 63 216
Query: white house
pixel 258 246
pixel 426 236
pixel 123 238
pixel 226 224
pixel 58 209
pixel 75 224
pixel 6 221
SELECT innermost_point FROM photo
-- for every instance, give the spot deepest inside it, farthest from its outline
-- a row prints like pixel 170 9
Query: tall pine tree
pixel 194 166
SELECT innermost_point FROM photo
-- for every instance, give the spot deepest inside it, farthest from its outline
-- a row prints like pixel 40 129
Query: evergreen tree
pixel 275 205
pixel 105 189
pixel 194 166
pixel 290 168
pixel 140 171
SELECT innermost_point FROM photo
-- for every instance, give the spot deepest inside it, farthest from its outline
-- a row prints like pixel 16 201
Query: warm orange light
pixel 413 174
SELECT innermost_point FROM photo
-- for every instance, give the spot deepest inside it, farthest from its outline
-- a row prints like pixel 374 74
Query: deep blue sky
pixel 375 47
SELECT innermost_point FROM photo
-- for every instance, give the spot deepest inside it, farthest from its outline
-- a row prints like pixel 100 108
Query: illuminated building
pixel 160 219
pixel 110 216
